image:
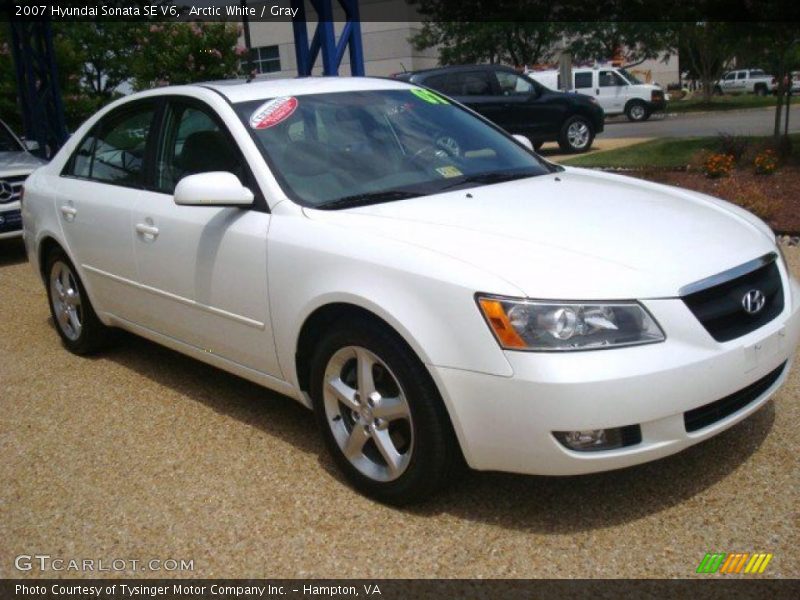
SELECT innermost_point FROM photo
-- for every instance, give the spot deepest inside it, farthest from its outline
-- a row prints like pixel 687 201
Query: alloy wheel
pixel 368 413
pixel 578 135
pixel 66 299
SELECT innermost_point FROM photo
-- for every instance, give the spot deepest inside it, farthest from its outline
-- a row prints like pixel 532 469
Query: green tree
pixel 178 53
pixel 635 42
pixel 511 38
pixel 706 48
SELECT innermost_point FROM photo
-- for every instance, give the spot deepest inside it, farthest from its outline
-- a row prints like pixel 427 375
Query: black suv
pixel 517 103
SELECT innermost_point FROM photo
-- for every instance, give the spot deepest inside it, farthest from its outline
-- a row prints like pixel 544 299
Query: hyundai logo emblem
pixel 6 191
pixel 753 301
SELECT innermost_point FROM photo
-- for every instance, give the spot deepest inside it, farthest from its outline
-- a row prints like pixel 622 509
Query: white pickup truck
pixel 745 81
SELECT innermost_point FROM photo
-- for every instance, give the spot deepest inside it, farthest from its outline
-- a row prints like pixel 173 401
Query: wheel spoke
pixel 355 443
pixel 63 277
pixel 74 321
pixel 391 408
pixel 366 383
pixel 386 447
pixel 343 393
pixel 63 315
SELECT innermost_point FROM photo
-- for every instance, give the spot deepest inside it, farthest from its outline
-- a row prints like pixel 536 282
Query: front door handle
pixel 148 231
pixel 69 212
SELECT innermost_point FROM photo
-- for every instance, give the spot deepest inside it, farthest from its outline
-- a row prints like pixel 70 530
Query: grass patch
pixel 737 102
pixel 667 153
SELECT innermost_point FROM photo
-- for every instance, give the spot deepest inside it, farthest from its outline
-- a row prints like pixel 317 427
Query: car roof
pixel 455 69
pixel 239 90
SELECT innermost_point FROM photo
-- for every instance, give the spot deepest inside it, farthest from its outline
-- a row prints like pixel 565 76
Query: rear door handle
pixel 147 230
pixel 69 212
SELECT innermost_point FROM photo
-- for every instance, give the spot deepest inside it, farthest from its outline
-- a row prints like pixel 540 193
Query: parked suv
pixel 745 81
pixel 518 104
pixel 617 91
pixel 16 163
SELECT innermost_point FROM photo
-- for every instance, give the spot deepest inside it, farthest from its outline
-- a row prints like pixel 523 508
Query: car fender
pixel 427 298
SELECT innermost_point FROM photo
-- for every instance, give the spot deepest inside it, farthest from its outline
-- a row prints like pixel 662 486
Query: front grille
pixel 720 307
pixel 16 184
pixel 711 413
pixel 10 221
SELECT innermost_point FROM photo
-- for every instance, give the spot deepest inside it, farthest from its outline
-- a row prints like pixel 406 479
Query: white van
pixel 617 90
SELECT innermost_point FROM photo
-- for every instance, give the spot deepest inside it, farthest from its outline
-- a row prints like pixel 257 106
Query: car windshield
pixel 630 77
pixel 363 147
pixel 8 143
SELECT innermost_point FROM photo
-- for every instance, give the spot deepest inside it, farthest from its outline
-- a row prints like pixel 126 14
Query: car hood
pixel 575 234
pixel 18 163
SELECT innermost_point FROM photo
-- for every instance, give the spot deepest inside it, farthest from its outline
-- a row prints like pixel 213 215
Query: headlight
pixel 532 325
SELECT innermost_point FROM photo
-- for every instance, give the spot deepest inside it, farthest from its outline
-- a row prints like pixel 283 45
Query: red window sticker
pixel 273 112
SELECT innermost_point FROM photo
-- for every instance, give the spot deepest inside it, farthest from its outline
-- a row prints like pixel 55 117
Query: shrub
pixel 717 165
pixel 733 145
pixel 766 162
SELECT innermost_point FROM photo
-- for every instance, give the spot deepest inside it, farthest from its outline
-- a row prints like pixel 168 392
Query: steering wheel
pixel 446 147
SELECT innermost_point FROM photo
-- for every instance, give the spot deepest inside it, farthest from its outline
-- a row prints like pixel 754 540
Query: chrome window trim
pixel 726 276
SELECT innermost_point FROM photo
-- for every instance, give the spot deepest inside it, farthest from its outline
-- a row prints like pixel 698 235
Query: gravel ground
pixel 143 453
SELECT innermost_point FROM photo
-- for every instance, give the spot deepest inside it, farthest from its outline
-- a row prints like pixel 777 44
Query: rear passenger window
pixel 114 150
pixel 470 83
pixel 583 80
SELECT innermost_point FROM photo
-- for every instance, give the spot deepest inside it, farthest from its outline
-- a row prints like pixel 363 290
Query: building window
pixel 267 59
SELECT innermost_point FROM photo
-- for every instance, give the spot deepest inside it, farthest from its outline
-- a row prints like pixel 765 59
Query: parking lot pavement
pixel 751 121
pixel 141 453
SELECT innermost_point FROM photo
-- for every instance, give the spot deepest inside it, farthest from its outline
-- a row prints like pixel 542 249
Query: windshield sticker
pixel 273 112
pixel 428 96
pixel 448 171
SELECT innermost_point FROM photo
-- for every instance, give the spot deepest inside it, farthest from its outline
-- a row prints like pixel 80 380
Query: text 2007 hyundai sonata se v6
pixel 429 286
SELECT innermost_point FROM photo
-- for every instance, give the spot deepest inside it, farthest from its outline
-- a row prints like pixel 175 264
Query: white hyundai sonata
pixel 430 287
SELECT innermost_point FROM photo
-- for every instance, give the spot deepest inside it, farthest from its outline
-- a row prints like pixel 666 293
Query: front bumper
pixel 10 220
pixel 506 423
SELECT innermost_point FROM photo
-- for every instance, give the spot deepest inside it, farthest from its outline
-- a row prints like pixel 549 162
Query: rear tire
pixel 717 90
pixel 637 111
pixel 761 90
pixel 381 415
pixel 577 135
pixel 73 315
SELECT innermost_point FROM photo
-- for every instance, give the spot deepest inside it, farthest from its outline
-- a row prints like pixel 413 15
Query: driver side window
pixel 193 142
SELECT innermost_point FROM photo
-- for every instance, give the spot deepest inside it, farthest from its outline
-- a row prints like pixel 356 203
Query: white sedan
pixel 430 287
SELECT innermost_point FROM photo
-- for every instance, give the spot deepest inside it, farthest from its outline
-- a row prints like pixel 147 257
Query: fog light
pixel 590 440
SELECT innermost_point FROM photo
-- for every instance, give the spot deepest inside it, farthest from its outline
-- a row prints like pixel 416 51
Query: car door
pixel 585 82
pixel 741 81
pixel 729 82
pixel 611 91
pixel 525 111
pixel 94 195
pixel 203 269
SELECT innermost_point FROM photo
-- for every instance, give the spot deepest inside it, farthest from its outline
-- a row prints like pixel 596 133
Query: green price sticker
pixel 429 96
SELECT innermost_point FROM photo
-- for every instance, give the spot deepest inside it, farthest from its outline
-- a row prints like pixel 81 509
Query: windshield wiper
pixel 487 178
pixel 367 198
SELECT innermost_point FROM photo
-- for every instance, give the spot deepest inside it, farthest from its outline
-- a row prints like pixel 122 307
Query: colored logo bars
pixel 741 562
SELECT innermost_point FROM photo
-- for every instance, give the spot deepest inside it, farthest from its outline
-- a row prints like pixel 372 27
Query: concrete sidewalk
pixel 553 153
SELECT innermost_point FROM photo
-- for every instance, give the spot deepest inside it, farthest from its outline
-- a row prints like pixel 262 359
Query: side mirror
pixel 31 145
pixel 216 188
pixel 524 141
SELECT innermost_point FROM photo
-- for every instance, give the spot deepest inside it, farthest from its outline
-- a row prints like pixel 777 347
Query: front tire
pixel 73 315
pixel 381 415
pixel 577 135
pixel 637 112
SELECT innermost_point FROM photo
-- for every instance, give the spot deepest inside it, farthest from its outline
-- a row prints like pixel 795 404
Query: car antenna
pixel 404 67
